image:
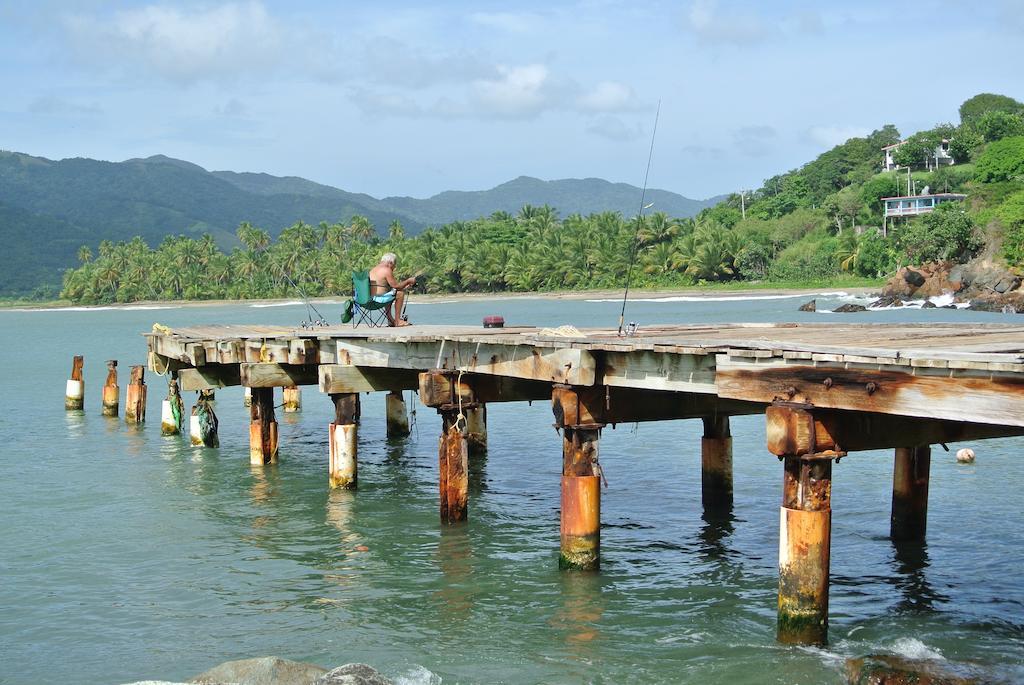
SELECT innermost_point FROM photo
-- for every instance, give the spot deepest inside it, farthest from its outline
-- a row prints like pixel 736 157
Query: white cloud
pixel 608 96
pixel 386 60
pixel 184 45
pixel 614 128
pixel 517 92
pixel 713 26
pixel 830 136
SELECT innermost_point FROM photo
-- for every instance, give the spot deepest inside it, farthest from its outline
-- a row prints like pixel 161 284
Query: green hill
pixel 79 201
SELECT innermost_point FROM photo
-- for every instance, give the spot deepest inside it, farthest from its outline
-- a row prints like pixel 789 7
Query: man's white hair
pixel 389 258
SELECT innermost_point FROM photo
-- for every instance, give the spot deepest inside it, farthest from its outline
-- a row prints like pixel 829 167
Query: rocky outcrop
pixel 268 670
pixel 985 285
pixel 888 669
pixel 811 306
pixel 353 674
pixel 848 308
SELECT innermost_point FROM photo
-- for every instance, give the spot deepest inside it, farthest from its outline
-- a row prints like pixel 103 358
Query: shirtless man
pixel 386 289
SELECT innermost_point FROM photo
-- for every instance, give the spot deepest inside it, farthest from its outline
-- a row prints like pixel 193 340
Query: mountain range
pixel 49 208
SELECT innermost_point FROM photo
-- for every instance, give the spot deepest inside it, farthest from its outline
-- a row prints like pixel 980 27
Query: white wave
pixel 264 305
pixel 149 306
pixel 723 298
pixel 418 675
pixel 943 300
pixel 912 648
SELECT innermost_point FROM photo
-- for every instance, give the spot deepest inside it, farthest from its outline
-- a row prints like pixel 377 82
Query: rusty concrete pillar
pixel 910 493
pixel 343 464
pixel 716 464
pixel 135 400
pixel 172 410
pixel 74 393
pixel 111 393
pixel 805 529
pixel 396 415
pixel 580 520
pixel 453 466
pixel 262 428
pixel 291 399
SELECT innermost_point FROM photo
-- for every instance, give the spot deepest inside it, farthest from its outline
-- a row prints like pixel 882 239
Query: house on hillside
pixel 914 205
pixel 939 157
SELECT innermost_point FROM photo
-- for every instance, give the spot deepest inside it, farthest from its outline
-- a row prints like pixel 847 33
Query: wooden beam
pixel 952 394
pixel 273 375
pixel 789 431
pixel 436 389
pixel 209 377
pixel 556 365
pixel 659 371
pixel 336 379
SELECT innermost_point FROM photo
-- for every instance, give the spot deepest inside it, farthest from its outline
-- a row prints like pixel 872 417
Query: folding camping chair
pixel 362 308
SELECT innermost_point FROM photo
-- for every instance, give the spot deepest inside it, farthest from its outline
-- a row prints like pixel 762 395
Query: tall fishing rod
pixel 322 321
pixel 639 222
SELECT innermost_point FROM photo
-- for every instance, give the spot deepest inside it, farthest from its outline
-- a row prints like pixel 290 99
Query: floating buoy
pixel 965 456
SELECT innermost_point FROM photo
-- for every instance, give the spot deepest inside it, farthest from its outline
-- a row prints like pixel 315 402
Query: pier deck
pixel 825 389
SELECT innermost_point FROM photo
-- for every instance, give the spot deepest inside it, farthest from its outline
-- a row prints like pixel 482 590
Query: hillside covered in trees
pixel 815 224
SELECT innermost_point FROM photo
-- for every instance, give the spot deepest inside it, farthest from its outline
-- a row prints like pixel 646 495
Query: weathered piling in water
pixel 451 397
pixel 291 399
pixel 579 412
pixel 203 423
pixel 111 398
pixel 135 400
pixel 343 461
pixel 911 470
pixel 74 394
pixel 262 428
pixel 476 429
pixel 397 415
pixel 716 464
pixel 172 410
pixel 805 523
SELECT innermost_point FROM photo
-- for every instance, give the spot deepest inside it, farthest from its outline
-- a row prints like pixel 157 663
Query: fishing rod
pixel 639 223
pixel 310 322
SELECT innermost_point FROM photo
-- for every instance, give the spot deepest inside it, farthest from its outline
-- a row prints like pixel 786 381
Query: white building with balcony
pixel 939 157
pixel 914 205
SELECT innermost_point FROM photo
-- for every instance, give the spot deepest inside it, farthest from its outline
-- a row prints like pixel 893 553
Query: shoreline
pixel 439 298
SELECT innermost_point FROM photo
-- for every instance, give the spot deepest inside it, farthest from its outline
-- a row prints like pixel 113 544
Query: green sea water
pixel 128 555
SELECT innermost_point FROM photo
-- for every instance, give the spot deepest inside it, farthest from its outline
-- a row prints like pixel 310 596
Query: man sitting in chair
pixel 387 289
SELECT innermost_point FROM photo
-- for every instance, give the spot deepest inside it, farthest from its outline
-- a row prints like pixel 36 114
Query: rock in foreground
pixel 888 669
pixel 353 674
pixel 847 308
pixel 811 306
pixel 267 670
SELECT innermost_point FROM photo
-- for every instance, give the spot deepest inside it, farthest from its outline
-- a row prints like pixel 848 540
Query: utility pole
pixel 743 206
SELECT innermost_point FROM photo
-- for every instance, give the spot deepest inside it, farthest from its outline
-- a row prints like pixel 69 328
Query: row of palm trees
pixel 533 250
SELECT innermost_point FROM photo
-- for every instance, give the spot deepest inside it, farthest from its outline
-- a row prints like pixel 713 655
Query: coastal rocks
pixel 985 285
pixel 811 306
pixel 268 670
pixel 886 301
pixel 849 308
pixel 888 669
pixel 353 674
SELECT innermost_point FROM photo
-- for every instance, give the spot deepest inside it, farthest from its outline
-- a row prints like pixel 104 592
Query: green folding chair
pixel 362 308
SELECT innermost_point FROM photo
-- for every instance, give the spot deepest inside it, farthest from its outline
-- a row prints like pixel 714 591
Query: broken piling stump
pixel 111 398
pixel 343 462
pixel 74 394
pixel 135 400
pixel 262 428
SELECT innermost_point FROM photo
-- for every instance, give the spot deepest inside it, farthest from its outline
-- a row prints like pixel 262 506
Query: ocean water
pixel 128 555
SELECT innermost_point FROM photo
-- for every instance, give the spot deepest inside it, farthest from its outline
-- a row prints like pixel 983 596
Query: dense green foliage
pixel 817 223
pixel 976 107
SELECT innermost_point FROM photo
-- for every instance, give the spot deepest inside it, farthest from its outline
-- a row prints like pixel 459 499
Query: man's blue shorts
pixel 385 298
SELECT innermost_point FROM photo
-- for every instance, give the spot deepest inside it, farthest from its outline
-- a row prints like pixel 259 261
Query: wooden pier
pixel 825 389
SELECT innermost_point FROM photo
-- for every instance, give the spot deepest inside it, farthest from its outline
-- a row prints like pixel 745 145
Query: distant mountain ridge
pixel 49 208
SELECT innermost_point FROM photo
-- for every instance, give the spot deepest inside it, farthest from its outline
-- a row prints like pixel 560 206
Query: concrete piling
pixel 716 464
pixel 111 393
pixel 453 463
pixel 476 429
pixel 291 399
pixel 397 415
pixel 580 520
pixel 74 394
pixel 172 410
pixel 343 462
pixel 263 436
pixel 135 400
pixel 911 470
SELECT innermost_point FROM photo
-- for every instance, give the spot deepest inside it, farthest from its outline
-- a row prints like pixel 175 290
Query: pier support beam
pixel 579 413
pixel 74 394
pixel 111 393
pixel 910 493
pixel 476 429
pixel 453 466
pixel 262 428
pixel 343 464
pixel 172 410
pixel 135 400
pixel 292 399
pixel 397 415
pixel 716 464
pixel 203 423
pixel 805 522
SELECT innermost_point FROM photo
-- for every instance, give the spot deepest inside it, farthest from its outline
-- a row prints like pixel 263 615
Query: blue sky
pixel 415 98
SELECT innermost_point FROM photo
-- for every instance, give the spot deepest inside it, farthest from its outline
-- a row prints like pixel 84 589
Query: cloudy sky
pixel 403 98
